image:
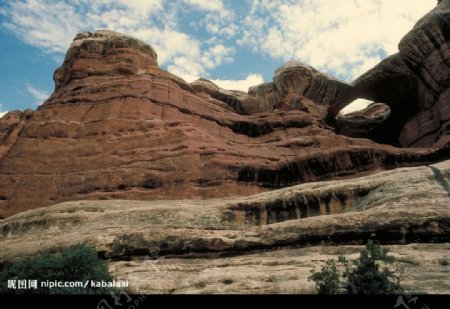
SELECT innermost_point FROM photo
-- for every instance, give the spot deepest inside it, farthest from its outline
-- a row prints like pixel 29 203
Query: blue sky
pixel 236 43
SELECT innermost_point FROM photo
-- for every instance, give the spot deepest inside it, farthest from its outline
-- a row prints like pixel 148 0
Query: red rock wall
pixel 147 135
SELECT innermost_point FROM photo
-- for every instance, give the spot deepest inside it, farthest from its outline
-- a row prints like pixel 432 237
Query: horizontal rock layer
pixel 145 138
pixel 404 206
pixel 277 272
pixel 118 127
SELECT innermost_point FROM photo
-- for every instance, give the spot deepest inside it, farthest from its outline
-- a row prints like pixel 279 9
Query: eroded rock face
pixel 267 96
pixel 11 125
pixel 206 166
pixel 364 123
pixel 143 133
pixel 277 272
pixel 241 102
pixel 105 53
pixel 298 78
pixel 414 83
pixel 400 207
pixel 292 79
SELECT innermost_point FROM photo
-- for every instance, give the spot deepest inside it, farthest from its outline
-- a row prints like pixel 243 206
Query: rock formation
pixel 11 125
pixel 414 83
pixel 223 184
pixel 404 206
pixel 283 271
pixel 241 102
pixel 364 123
pixel 118 54
pixel 119 127
pixel 267 96
pixel 298 78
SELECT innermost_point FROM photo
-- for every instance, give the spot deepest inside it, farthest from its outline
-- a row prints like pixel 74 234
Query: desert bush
pixel 327 279
pixel 374 272
pixel 77 263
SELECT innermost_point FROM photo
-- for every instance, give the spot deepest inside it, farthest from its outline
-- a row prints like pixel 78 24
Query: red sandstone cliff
pixel 119 127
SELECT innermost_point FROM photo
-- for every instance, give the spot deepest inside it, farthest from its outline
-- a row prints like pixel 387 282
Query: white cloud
pixel 209 5
pixel 217 54
pixel 219 20
pixel 344 37
pixel 38 94
pixel 139 7
pixel 244 84
pixel 157 22
pixel 192 37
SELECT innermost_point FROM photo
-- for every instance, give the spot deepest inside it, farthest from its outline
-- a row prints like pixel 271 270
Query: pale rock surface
pixel 265 243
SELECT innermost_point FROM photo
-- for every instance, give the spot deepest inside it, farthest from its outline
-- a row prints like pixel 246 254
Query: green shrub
pixel 327 280
pixel 76 263
pixel 374 272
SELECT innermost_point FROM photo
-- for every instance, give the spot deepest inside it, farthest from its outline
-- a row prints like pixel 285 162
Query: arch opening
pixel 363 119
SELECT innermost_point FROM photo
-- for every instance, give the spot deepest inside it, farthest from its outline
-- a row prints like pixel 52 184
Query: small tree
pixel 374 272
pixel 327 280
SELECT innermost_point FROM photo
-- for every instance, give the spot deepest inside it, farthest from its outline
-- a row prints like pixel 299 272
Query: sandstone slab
pixel 265 243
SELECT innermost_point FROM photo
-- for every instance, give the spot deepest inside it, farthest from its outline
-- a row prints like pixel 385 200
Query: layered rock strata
pixel 405 206
pixel 119 127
